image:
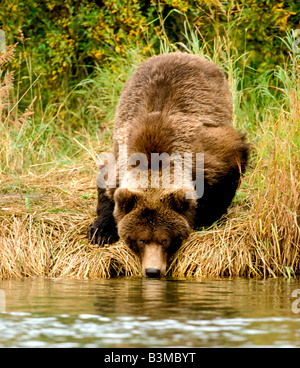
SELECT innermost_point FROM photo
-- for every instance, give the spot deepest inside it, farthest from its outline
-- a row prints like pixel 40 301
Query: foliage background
pixel 65 38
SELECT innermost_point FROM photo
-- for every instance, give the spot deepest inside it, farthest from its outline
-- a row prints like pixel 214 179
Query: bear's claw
pixel 101 234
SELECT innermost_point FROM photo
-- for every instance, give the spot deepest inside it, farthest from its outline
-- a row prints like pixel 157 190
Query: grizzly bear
pixel 173 106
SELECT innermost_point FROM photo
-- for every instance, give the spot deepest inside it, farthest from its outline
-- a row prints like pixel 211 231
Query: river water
pixel 139 312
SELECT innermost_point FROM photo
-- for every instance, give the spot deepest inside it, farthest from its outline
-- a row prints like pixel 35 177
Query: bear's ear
pixel 124 202
pixel 179 203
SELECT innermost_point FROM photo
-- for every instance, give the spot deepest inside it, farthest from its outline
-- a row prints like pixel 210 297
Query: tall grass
pixel 47 172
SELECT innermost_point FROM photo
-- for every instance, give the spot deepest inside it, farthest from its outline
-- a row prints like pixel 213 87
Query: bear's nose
pixel 152 272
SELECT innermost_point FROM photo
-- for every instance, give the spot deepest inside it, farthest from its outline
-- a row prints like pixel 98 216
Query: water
pixel 135 312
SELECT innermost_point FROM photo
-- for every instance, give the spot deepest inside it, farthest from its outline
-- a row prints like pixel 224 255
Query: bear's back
pixel 177 84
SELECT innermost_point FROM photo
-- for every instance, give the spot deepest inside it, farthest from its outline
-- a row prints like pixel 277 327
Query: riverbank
pixel 48 189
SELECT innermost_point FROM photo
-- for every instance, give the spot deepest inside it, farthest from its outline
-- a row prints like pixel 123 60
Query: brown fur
pixel 175 103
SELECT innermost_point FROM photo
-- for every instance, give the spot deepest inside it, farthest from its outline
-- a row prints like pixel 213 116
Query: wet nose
pixel 152 272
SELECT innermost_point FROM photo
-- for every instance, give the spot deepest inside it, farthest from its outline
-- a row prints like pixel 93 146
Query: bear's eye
pixel 164 242
pixel 142 241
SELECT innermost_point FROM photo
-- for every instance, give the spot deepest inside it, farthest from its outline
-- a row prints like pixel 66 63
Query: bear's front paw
pixel 103 232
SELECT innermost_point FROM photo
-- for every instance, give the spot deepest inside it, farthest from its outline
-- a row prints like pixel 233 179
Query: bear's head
pixel 154 224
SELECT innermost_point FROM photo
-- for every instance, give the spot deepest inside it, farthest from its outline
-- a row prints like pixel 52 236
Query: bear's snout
pixel 154 260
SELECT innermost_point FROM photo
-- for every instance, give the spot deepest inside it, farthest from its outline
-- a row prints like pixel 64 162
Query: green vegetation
pixel 59 88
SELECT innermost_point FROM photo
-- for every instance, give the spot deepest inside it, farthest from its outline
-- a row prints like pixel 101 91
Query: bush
pixel 65 38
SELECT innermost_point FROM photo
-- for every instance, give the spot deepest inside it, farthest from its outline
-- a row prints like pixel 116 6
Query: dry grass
pixel 45 234
pixel 45 209
pixel 43 231
pixel 261 237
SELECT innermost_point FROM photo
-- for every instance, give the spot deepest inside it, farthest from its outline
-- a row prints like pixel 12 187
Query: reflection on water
pixel 136 312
